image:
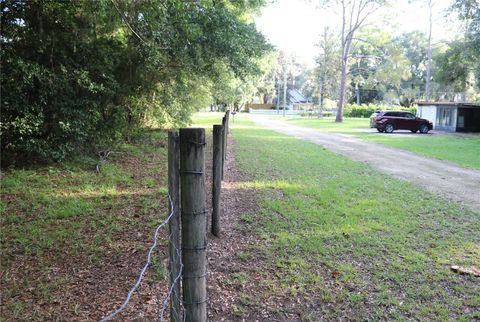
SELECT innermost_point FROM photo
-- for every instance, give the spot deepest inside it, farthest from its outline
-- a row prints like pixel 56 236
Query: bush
pixel 366 111
pixel 327 114
pixel 74 78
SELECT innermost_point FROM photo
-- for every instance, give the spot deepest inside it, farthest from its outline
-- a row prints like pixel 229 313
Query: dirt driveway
pixel 441 177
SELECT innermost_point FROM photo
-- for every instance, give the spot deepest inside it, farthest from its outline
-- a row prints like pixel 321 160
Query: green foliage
pixel 86 74
pixel 328 66
pixel 454 69
pixel 366 110
pixel 459 65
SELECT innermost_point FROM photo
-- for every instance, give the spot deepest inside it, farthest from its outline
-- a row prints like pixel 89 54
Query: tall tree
pixel 380 67
pixel 327 66
pixel 430 4
pixel 459 65
pixel 354 14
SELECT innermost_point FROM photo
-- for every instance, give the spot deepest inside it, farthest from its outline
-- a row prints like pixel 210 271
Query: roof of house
pixel 296 97
pixel 452 104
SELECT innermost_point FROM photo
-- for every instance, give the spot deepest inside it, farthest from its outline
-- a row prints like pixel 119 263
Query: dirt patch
pixel 223 252
pixel 441 177
pixel 241 268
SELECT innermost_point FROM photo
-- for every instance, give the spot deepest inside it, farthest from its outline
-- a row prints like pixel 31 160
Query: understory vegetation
pixel 366 110
pixel 345 242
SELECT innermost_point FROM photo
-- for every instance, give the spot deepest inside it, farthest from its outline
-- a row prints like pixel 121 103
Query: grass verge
pixel 342 242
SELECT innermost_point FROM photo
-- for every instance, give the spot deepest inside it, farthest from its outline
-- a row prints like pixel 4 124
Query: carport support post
pixel 194 223
pixel 217 177
pixel 174 223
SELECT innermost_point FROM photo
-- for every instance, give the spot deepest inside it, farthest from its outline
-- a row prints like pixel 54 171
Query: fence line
pixel 193 156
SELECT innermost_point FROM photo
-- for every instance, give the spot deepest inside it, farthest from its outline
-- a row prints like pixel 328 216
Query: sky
pixel 294 26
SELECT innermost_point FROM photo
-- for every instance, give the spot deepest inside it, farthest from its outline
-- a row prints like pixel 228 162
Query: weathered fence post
pixel 224 144
pixel 228 121
pixel 174 223
pixel 194 223
pixel 217 177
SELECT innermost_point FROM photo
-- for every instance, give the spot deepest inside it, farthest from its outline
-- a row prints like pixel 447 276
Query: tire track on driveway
pixel 441 177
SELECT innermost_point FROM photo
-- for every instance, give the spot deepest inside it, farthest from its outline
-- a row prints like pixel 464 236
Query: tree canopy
pixel 82 74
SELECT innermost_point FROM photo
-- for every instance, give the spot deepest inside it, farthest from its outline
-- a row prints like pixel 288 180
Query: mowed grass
pixel 462 149
pixel 341 241
pixel 71 237
pixel 207 119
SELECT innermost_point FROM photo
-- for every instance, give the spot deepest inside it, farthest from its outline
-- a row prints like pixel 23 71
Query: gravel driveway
pixel 441 177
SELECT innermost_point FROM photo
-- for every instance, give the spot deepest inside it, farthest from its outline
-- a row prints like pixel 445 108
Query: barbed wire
pixel 145 267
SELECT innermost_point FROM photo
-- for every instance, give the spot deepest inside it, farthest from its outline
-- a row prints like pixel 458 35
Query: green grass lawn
pixel 71 237
pixel 463 150
pixel 341 242
pixel 207 119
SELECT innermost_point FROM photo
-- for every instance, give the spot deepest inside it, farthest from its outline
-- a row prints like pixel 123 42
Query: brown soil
pixel 223 260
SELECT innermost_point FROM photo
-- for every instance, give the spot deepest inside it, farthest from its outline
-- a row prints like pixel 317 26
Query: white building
pixel 449 116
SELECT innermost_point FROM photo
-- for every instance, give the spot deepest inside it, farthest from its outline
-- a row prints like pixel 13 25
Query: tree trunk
pixel 429 55
pixel 284 91
pixel 343 79
pixel 320 110
pixel 341 98
pixel 278 96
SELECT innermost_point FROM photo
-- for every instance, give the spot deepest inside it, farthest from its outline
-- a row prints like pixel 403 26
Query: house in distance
pixel 451 116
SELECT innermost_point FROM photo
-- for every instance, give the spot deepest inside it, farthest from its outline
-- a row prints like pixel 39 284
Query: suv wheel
pixel 424 129
pixel 389 128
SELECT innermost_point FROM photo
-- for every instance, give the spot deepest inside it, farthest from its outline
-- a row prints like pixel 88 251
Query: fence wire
pixel 161 306
pixel 145 268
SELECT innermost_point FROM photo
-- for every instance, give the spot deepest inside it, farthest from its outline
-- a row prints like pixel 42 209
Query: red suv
pixel 388 121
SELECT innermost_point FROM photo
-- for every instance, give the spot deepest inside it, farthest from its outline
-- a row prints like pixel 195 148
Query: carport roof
pixel 452 104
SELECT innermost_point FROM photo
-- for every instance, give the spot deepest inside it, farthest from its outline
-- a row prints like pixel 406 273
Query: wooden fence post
pixel 224 144
pixel 174 223
pixel 217 177
pixel 228 121
pixel 194 223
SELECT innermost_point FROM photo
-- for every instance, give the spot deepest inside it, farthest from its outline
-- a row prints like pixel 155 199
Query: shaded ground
pixel 441 177
pixel 73 241
pixel 226 265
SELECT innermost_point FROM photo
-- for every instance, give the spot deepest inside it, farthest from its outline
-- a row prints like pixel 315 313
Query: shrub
pixel 366 111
